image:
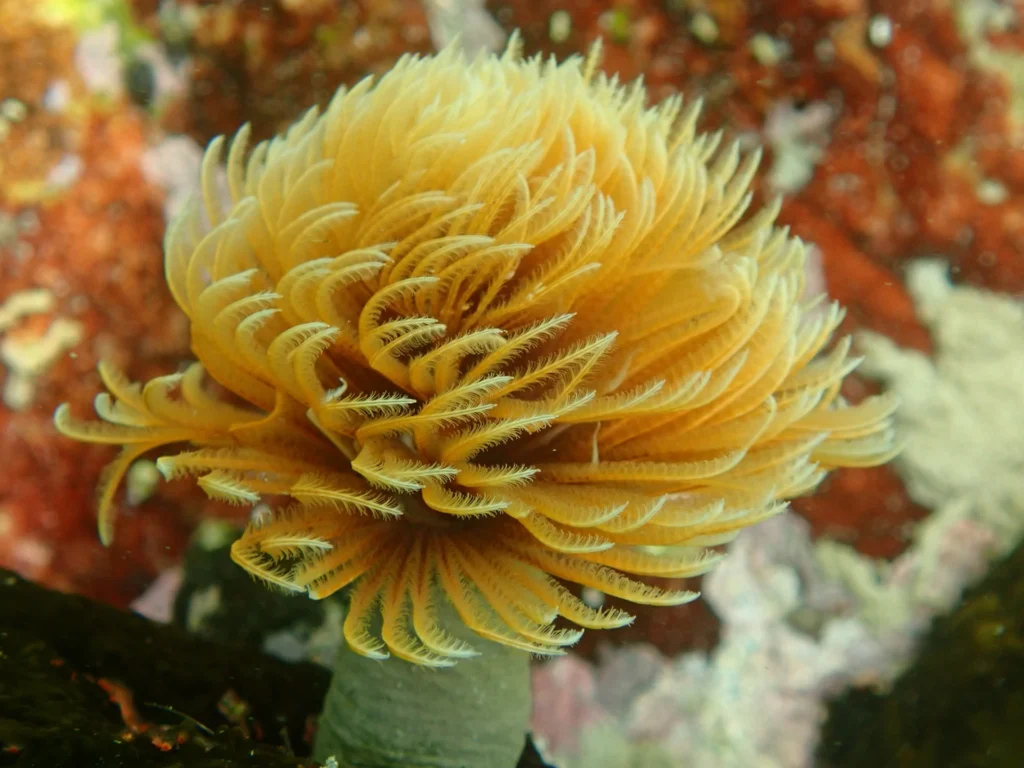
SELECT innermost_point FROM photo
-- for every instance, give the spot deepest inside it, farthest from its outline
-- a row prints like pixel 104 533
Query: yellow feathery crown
pixel 482 328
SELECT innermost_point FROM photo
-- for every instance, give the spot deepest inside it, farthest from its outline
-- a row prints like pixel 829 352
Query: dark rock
pixel 85 684
pixel 961 704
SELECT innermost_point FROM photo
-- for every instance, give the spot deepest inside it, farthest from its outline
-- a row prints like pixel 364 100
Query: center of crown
pixel 415 510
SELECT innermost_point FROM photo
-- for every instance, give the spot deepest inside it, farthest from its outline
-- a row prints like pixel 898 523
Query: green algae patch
pixel 85 15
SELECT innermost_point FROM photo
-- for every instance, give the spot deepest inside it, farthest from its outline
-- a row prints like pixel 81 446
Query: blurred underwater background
pixel 878 621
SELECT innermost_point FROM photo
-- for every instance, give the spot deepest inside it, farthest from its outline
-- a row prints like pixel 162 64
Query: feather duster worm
pixel 480 329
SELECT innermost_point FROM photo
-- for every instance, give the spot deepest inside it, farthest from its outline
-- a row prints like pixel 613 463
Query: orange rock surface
pixel 96 252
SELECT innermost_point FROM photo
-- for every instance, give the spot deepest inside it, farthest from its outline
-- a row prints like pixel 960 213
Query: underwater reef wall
pixel 962 408
pixel 894 128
